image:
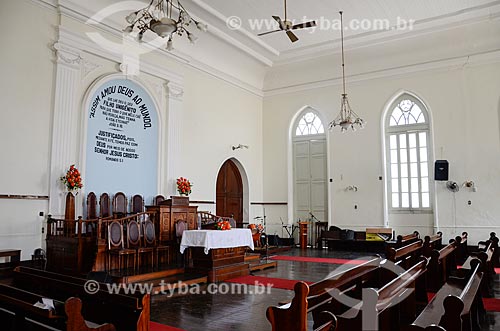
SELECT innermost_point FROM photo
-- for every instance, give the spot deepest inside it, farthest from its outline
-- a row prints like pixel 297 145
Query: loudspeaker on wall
pixel 441 168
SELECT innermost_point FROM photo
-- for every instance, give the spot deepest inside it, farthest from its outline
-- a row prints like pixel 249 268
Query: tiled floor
pixel 247 312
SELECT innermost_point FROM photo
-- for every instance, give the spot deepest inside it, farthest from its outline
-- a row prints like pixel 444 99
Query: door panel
pixel 229 197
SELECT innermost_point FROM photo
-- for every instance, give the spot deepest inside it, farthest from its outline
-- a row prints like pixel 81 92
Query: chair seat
pixel 145 249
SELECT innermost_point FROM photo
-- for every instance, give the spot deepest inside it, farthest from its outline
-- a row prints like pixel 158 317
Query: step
pixel 263 264
pixel 251 257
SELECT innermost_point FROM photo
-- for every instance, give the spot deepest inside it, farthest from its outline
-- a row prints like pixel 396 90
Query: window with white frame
pixel 407 155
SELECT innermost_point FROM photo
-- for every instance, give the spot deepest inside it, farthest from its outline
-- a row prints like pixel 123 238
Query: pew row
pixel 405 256
pixel 441 265
pixel 127 312
pixel 456 306
pixel 431 243
pixel 403 240
pixel 390 307
pixel 20 304
pixel 316 298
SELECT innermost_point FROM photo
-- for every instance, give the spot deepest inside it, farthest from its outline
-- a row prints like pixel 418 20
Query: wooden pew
pixel 390 307
pixel 403 240
pixel 485 255
pixel 21 304
pixel 441 264
pixel 316 298
pixel 455 306
pixel 431 243
pixel 405 256
pixel 127 312
pixel 462 251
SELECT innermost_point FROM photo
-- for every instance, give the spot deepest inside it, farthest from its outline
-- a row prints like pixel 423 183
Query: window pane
pixel 394 156
pixel 422 139
pixel 394 171
pixel 395 200
pixel 404 184
pixel 415 203
pixel 403 155
pixel 413 155
pixel 405 200
pixel 423 154
pixel 404 170
pixel 414 185
pixel 425 200
pixel 402 141
pixel 393 142
pixel 425 185
pixel 414 169
pixel 412 139
pixel 394 185
pixel 424 170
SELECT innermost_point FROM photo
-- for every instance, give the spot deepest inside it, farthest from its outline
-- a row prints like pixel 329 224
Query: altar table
pixel 219 254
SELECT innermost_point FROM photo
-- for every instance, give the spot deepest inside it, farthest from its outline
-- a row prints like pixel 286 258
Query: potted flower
pixel 184 186
pixel 72 180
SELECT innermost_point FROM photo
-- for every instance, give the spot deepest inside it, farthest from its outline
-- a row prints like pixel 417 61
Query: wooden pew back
pixel 126 311
pixel 441 265
pixel 390 307
pixel 454 305
pixel 431 243
pixel 317 298
pixel 407 255
pixel 21 303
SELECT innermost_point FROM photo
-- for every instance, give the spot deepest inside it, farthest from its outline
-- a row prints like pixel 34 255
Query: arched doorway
pixel 229 194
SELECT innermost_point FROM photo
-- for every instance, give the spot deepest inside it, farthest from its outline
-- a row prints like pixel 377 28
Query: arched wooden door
pixel 230 192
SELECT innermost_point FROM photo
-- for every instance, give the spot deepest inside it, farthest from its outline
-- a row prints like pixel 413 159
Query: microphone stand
pixel 267 238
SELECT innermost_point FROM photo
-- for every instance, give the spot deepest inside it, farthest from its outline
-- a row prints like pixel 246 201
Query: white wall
pixel 213 114
pixel 463 104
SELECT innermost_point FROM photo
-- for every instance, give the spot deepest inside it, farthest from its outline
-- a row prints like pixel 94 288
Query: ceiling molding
pixel 222 18
pixel 373 38
pixel 70 9
pixel 457 62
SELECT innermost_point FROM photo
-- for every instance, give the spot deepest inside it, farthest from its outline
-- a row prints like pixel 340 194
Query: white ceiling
pixel 429 15
pixel 435 14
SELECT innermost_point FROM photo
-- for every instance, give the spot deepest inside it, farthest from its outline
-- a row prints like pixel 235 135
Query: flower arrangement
pixel 258 228
pixel 184 186
pixel 223 225
pixel 72 180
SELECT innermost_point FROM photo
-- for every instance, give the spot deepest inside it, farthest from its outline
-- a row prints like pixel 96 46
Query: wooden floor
pixel 246 312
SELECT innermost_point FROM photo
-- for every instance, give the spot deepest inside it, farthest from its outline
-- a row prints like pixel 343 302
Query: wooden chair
pixel 158 199
pixel 120 205
pixel 180 227
pixel 134 241
pixel 161 252
pixel 104 205
pixel 116 247
pixel 91 212
pixel 137 204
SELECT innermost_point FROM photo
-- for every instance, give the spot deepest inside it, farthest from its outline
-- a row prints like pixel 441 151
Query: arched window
pixel 309 124
pixel 408 155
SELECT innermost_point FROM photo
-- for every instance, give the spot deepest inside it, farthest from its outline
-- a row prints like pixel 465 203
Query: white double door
pixel 310 180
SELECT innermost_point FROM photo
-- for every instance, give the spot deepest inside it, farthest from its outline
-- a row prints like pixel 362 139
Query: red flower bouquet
pixel 184 186
pixel 72 180
pixel 223 225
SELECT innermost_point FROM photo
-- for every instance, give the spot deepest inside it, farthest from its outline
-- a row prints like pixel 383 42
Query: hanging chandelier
pixel 165 18
pixel 347 118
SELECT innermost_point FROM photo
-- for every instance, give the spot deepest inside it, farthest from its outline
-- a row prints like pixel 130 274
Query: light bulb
pixel 128 29
pixel 192 38
pixel 131 17
pixel 170 44
pixel 201 26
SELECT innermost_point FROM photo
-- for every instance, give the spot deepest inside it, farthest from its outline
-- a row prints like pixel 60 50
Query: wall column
pixel 174 125
pixel 65 125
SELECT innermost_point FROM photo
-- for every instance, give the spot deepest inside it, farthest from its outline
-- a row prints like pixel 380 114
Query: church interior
pixel 277 165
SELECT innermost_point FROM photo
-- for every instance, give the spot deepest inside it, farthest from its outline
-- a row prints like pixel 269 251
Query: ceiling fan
pixel 288 26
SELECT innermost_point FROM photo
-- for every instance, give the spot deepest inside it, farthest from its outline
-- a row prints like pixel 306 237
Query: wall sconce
pixel 353 188
pixel 470 184
pixel 239 146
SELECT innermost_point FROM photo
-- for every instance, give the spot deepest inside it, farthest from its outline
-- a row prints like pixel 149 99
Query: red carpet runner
pixel 317 260
pixel 153 326
pixel 285 284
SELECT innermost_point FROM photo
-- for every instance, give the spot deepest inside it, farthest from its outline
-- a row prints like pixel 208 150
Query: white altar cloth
pixel 212 239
